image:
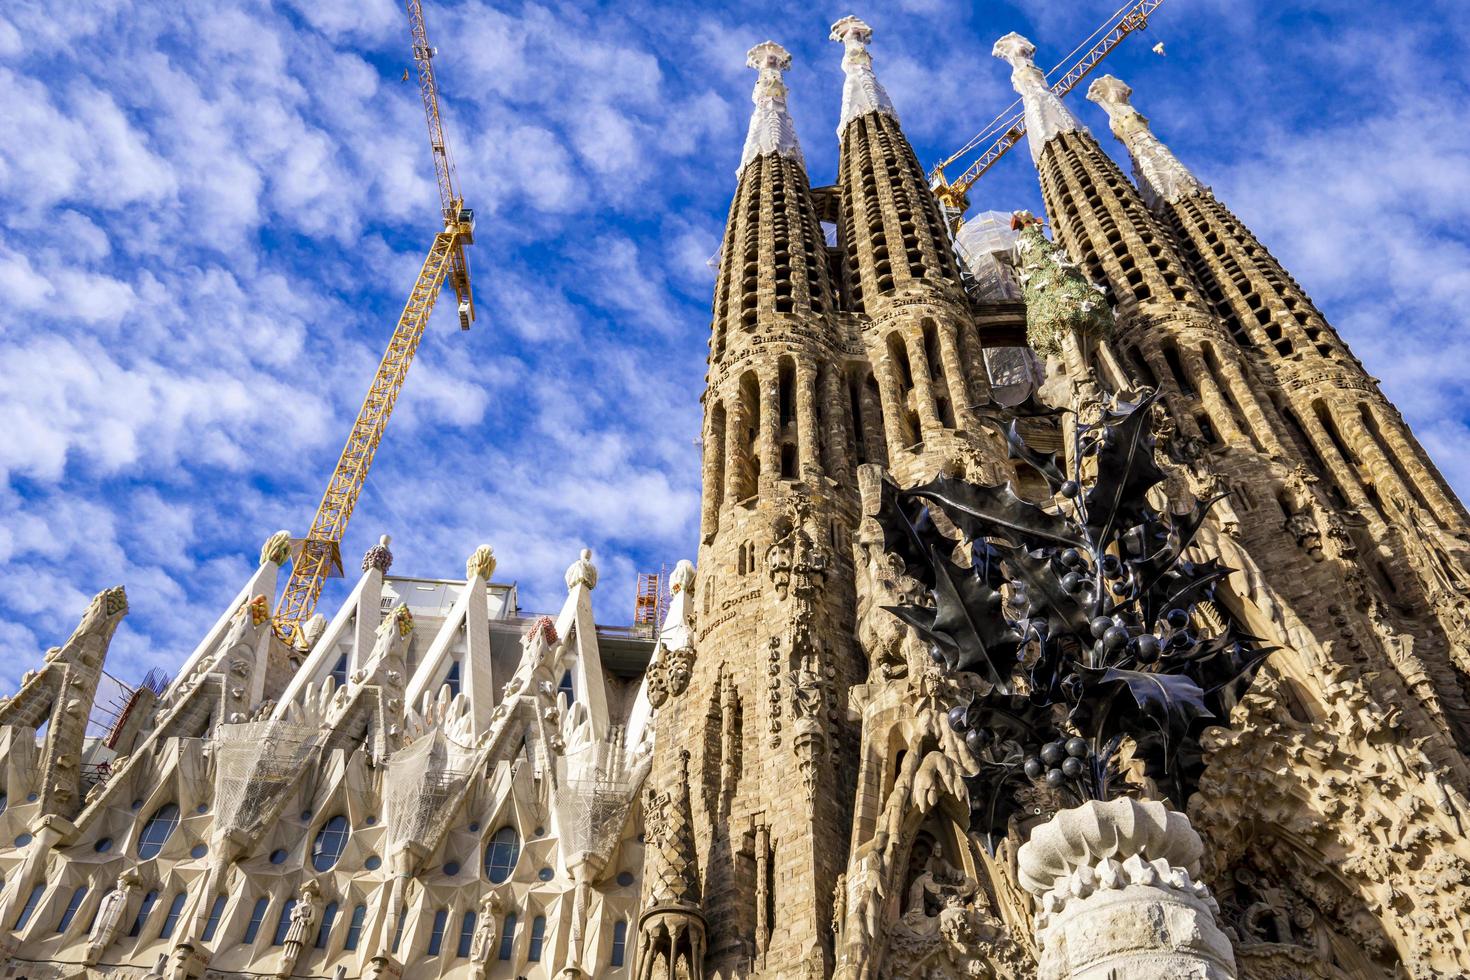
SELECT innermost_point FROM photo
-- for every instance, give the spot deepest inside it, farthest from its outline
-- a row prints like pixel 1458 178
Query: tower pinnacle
pixel 862 93
pixel 1046 117
pixel 1161 177
pixel 771 129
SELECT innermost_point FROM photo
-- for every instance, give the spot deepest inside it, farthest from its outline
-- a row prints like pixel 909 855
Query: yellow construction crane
pixel 318 556
pixel 1006 130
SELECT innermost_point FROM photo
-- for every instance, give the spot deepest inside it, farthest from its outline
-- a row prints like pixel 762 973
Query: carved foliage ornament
pixel 1090 612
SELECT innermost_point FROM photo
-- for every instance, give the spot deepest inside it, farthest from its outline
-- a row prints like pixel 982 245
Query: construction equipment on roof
pixel 1006 130
pixel 318 557
pixel 647 605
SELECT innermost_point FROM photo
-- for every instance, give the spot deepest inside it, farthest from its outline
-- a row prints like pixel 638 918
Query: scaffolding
pixel 423 778
pixel 255 763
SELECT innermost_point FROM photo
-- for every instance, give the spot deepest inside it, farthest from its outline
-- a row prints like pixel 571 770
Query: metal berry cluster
pixel 1079 621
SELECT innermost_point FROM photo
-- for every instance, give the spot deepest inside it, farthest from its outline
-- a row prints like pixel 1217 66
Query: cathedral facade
pixel 775 782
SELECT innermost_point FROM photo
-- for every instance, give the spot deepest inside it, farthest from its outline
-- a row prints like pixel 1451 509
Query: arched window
pixel 143 911
pixel 157 830
pixel 283 923
pixel 71 908
pixel 175 909
pixel 329 843
pixel 501 855
pixel 620 942
pixel 436 936
pixel 329 918
pixel 215 911
pixel 30 908
pixel 466 933
pixel 508 936
pixel 451 679
pixel 538 936
pixel 257 916
pixel 354 927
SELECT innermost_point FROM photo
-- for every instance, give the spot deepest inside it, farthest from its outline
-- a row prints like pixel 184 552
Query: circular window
pixel 625 878
pixel 451 868
pixel 157 830
pixel 539 831
pixel 305 814
pixel 371 821
pixel 22 840
pixel 329 843
pixel 31 797
pixel 103 846
pixel 202 808
pixel 474 824
pixel 137 805
pixel 373 863
pixel 198 851
pixel 278 856
pixel 501 854
pixel 545 874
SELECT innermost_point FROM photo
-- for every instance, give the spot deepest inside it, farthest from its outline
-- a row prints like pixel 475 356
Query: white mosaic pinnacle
pixel 1046 116
pixel 1161 177
pixel 862 93
pixel 771 129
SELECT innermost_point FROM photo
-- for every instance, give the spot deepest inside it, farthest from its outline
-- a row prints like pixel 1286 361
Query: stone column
pixel 1258 411
pixel 808 450
pixel 737 456
pixel 892 405
pixel 839 425
pixel 923 387
pixel 955 376
pixel 1117 896
pixel 768 440
pixel 1209 395
pixel 713 489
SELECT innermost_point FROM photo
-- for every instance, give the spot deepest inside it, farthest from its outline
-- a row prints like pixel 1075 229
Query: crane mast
pixel 954 195
pixel 318 556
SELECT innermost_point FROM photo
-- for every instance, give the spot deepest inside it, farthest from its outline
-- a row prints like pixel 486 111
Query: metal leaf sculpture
pixel 1082 621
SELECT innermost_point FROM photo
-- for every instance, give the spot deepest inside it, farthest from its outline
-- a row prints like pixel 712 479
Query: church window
pixel 620 942
pixel 283 923
pixel 508 936
pixel 451 679
pixel 329 918
pixel 157 830
pixel 436 936
pixel 71 908
pixel 354 927
pixel 30 909
pixel 538 937
pixel 215 911
pixel 567 687
pixel 339 672
pixel 398 933
pixel 330 841
pixel 143 911
pixel 501 855
pixel 175 909
pixel 466 933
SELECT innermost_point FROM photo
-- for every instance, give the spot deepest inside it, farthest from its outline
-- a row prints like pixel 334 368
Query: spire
pixel 862 93
pixel 675 878
pixel 771 129
pixel 1161 177
pixel 1046 117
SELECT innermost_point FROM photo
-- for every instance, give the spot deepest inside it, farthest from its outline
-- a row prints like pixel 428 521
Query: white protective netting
pixel 423 777
pixel 985 243
pixel 594 789
pixel 254 763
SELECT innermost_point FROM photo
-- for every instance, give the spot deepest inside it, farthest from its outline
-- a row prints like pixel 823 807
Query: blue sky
pixel 209 220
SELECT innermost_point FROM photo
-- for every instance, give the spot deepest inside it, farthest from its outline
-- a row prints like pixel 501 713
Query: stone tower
pixel 760 707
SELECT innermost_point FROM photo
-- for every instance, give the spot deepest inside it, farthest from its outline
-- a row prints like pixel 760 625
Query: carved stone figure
pixel 111 914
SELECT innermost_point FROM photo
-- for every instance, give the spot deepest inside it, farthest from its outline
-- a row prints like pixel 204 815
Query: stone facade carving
pixel 781 794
